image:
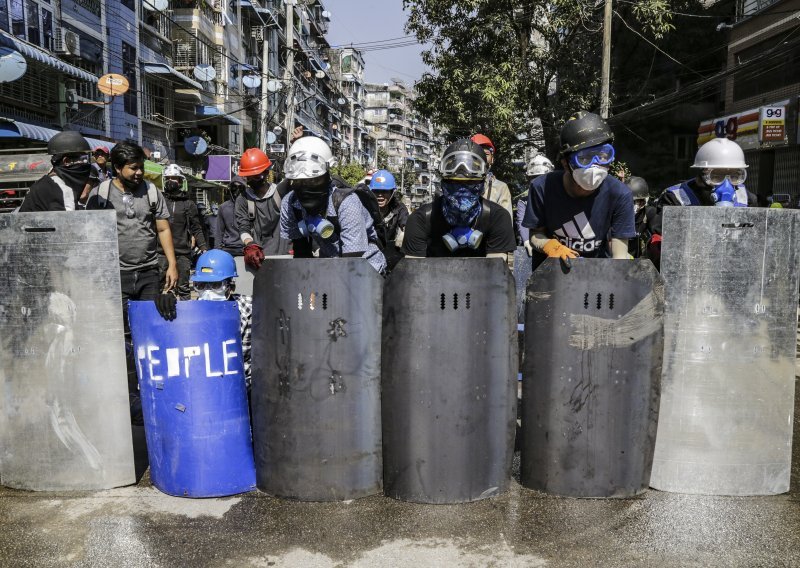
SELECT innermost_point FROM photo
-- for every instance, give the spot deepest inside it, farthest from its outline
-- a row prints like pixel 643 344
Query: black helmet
pixel 463 159
pixel 638 187
pixel 68 142
pixel 584 130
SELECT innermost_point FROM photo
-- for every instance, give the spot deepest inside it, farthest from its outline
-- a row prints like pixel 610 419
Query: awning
pixel 42 56
pixel 210 111
pixel 164 69
pixel 15 129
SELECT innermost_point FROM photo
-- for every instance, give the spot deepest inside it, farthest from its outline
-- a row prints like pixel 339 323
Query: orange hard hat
pixel 482 140
pixel 253 162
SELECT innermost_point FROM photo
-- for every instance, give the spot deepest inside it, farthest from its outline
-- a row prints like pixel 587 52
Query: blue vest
pixel 686 196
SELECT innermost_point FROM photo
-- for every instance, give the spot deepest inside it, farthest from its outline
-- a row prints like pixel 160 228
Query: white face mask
pixel 589 178
pixel 213 296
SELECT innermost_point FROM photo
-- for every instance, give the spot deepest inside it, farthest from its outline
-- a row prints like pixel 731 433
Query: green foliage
pixel 351 172
pixel 383 159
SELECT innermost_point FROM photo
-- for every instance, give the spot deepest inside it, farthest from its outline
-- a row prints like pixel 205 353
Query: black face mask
pixel 173 189
pixel 313 194
pixel 76 176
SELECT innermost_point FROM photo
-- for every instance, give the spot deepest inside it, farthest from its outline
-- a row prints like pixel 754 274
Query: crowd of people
pixel 574 210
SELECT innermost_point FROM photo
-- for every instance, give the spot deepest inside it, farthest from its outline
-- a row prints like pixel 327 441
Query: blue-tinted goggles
pixel 601 155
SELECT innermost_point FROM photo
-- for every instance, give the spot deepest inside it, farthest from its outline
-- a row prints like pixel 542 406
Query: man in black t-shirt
pixel 460 223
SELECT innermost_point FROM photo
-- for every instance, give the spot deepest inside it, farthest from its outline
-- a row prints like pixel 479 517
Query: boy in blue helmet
pixel 394 213
pixel 213 281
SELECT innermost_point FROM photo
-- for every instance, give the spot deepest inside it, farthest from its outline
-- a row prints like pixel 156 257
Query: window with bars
pixel 157 102
pixel 36 89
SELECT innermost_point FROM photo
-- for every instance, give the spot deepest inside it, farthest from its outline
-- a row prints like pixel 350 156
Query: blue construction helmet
pixel 382 180
pixel 214 266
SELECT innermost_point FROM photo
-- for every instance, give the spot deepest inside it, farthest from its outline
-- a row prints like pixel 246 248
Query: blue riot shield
pixel 194 398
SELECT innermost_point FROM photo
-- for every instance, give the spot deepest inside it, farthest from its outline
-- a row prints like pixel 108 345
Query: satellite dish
pixel 12 65
pixel 113 84
pixel 271 138
pixel 320 74
pixel 340 101
pixel 277 130
pixel 195 145
pixel 273 86
pixel 155 5
pixel 204 72
pixel 251 81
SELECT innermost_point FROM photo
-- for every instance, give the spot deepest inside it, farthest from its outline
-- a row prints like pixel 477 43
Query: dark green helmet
pixel 68 142
pixel 583 130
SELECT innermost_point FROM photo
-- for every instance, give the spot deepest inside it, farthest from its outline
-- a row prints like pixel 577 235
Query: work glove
pixel 528 248
pixel 166 304
pixel 555 249
pixel 253 255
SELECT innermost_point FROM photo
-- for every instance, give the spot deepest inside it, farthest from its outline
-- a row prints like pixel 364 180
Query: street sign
pixel 773 124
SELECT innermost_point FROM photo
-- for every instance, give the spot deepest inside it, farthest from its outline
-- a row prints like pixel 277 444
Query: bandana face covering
pixel 75 175
pixel 461 202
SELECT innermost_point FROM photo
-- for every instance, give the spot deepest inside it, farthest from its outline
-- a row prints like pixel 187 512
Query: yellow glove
pixel 555 249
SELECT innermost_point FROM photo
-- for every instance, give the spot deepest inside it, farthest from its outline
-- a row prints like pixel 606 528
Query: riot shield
pixel 194 399
pixel 64 410
pixel 590 384
pixel 244 280
pixel 522 271
pixel 727 400
pixel 316 378
pixel 449 380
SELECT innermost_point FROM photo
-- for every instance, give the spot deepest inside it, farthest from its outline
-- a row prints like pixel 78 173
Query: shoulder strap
pixel 251 209
pixel 152 196
pixel 102 193
pixel 482 222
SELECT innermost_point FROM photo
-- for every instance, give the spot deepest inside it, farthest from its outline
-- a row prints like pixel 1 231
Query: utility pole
pixel 288 74
pixel 605 78
pixel 265 93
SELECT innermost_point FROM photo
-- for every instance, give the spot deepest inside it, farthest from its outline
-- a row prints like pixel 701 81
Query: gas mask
pixel 589 179
pixel 173 188
pixel 462 237
pixel 313 194
pixel 724 194
pixel 316 225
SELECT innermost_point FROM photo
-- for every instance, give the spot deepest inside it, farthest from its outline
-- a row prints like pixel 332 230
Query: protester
pixel 226 234
pixel 394 213
pixel 580 211
pixel 495 190
pixel 65 185
pixel 538 166
pixel 640 192
pixel 317 214
pixel 100 167
pixel 460 223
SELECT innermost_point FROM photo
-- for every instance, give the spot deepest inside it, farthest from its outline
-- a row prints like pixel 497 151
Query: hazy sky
pixel 360 21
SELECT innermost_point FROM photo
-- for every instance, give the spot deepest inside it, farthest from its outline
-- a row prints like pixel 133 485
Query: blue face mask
pixel 724 194
pixel 461 202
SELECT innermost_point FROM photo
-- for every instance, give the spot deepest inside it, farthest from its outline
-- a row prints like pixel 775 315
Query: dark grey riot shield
pixel 727 401
pixel 64 411
pixel 522 271
pixel 594 339
pixel 449 380
pixel 316 378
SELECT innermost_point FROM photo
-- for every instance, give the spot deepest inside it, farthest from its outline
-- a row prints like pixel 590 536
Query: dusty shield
pixel 727 401
pixel 316 378
pixel 449 380
pixel 64 410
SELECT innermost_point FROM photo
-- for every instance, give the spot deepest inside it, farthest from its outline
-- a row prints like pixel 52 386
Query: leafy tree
pixel 351 172
pixel 383 159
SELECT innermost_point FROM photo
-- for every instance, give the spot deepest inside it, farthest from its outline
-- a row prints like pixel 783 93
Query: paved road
pixel 140 527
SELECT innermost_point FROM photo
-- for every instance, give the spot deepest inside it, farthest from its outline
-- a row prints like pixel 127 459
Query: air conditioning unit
pixel 67 42
pixel 72 99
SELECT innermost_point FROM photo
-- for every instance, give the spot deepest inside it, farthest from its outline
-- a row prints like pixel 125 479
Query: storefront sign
pixel 773 124
pixel 741 128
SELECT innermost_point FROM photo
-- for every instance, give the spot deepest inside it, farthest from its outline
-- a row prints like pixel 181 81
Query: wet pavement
pixel 141 527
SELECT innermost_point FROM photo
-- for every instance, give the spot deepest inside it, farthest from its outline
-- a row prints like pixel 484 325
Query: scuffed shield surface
pixel 65 417
pixel 316 378
pixel 449 380
pixel 727 402
pixel 522 271
pixel 593 339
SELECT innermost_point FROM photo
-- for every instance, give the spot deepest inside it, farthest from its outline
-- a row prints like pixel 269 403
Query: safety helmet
pixel 583 130
pixel 382 180
pixel 463 160
pixel 539 165
pixel 173 170
pixel 638 187
pixel 719 153
pixel 68 142
pixel 308 157
pixel 214 266
pixel 483 140
pixel 253 162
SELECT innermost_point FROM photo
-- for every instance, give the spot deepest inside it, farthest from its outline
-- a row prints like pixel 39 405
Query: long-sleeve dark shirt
pixel 184 222
pixel 226 234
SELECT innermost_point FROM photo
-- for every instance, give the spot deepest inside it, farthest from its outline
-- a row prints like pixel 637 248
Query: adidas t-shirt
pixel 584 224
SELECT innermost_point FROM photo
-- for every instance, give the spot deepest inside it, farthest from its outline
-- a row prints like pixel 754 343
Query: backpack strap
pixel 102 194
pixel 482 222
pixel 251 209
pixel 152 196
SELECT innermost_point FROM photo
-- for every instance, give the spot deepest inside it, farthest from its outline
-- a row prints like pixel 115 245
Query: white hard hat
pixel 173 170
pixel 539 165
pixel 308 157
pixel 719 153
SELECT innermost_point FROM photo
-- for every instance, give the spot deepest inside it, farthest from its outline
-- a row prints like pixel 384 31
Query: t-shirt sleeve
pixel 162 211
pixel 353 225
pixel 289 229
pixel 534 212
pixel 415 240
pixel 501 237
pixel 623 224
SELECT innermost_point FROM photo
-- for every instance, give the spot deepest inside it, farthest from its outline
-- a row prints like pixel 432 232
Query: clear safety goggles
pixel 305 165
pixel 601 155
pixel 717 176
pixel 463 164
pixel 218 287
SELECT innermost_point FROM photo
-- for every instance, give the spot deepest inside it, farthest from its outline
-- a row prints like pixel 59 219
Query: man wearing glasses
pixel 580 211
pixel 62 188
pixel 721 173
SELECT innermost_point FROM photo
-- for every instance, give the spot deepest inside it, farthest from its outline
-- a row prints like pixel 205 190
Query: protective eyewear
pixel 305 165
pixel 75 159
pixel 717 176
pixel 218 287
pixel 463 164
pixel 127 201
pixel 601 155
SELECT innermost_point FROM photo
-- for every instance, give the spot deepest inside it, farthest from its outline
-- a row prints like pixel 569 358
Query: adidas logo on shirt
pixel 578 234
